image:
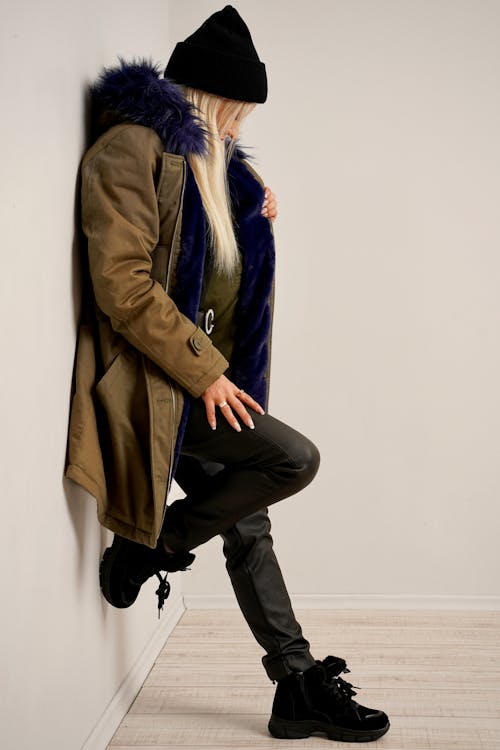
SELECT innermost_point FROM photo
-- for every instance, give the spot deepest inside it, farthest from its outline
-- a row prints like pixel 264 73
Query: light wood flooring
pixel 435 673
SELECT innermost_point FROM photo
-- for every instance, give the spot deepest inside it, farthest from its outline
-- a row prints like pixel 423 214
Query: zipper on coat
pixel 172 453
pixel 167 287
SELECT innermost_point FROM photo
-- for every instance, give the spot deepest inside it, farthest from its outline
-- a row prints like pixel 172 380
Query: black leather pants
pixel 230 478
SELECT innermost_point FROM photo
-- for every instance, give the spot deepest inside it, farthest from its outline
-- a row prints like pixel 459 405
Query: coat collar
pixel 133 91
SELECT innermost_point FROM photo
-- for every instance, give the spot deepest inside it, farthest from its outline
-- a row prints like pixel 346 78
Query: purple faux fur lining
pixel 253 313
pixel 189 275
pixel 191 259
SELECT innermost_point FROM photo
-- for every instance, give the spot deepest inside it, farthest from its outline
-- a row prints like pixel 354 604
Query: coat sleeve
pixel 120 219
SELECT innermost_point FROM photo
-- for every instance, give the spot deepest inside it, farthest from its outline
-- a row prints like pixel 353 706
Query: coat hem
pixel 117 526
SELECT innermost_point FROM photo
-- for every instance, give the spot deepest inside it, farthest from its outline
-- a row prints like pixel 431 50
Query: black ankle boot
pixel 318 700
pixel 126 565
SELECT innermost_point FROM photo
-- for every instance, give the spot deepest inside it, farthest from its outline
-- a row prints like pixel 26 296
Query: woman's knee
pixel 307 462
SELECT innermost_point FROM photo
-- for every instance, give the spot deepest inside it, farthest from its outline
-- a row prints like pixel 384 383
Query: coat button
pixel 197 343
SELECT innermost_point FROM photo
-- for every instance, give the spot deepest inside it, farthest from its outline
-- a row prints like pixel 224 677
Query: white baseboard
pixel 110 720
pixel 358 601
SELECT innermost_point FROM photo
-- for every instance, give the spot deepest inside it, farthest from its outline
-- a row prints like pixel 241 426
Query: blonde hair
pixel 210 172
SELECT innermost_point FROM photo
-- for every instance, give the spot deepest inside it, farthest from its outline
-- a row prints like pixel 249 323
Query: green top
pixel 221 295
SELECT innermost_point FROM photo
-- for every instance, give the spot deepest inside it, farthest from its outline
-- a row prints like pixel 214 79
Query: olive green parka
pixel 140 355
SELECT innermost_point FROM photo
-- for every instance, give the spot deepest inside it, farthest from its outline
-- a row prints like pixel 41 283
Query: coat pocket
pixel 111 373
pixel 83 456
pixel 124 432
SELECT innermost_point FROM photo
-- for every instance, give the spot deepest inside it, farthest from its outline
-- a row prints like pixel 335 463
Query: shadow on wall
pixel 76 508
pixel 90 536
pixel 81 505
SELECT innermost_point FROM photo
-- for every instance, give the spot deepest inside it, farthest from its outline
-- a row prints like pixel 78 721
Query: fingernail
pixel 252 426
pixel 262 410
pixel 213 426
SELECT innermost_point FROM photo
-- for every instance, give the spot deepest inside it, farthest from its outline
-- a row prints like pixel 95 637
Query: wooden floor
pixel 435 673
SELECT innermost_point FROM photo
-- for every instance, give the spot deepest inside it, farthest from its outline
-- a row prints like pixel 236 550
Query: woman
pixel 173 359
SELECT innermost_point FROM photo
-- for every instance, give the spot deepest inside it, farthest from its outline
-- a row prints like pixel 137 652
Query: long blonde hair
pixel 210 173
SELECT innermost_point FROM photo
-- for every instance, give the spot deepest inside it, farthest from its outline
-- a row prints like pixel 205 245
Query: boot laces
pixel 145 571
pixel 162 591
pixel 340 688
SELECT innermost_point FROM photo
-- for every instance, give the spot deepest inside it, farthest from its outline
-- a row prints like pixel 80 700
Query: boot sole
pixel 105 573
pixel 296 730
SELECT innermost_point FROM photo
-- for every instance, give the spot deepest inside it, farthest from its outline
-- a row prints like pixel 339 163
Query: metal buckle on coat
pixel 206 320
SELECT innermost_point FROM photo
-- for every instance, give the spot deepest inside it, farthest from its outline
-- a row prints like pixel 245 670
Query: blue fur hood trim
pixel 135 92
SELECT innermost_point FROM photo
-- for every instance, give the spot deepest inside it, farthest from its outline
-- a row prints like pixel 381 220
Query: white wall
pixel 380 140
pixel 64 650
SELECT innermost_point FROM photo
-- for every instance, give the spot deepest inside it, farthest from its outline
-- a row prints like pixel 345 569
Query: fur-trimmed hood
pixel 134 92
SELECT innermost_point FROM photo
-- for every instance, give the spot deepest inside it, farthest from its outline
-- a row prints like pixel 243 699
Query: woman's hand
pixel 270 205
pixel 224 391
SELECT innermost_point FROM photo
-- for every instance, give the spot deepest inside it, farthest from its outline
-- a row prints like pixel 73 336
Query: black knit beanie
pixel 220 58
